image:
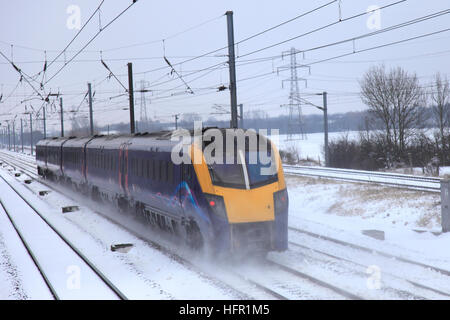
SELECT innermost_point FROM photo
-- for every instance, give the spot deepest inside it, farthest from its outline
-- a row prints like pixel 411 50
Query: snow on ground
pixel 19 278
pixel 344 209
pixel 333 208
pixel 142 273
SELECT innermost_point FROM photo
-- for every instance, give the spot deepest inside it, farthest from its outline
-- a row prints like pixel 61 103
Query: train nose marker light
pixel 212 203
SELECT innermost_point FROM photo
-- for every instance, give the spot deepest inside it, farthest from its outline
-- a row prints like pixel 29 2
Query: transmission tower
pixel 295 122
pixel 143 115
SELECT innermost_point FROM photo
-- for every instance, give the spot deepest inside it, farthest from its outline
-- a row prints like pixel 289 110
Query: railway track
pixel 279 275
pixel 318 255
pixel 384 178
pixel 30 170
pixel 271 286
pixel 325 284
pixel 422 276
pixel 247 285
pixel 52 253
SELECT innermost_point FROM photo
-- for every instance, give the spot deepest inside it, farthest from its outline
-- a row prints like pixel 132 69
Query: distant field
pixel 312 146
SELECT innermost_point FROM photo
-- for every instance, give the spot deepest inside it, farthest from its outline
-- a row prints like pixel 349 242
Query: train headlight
pixel 281 201
pixel 217 205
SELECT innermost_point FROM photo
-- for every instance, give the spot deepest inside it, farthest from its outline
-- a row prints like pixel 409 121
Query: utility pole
pixel 232 66
pixel 325 128
pixel 14 135
pixel 131 97
pixel 143 118
pixel 31 132
pixel 21 133
pixel 91 119
pixel 62 116
pixel 45 128
pixel 9 137
pixel 176 121
pixel 241 118
pixel 324 108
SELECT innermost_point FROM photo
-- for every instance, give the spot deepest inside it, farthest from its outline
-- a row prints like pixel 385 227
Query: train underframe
pixel 243 239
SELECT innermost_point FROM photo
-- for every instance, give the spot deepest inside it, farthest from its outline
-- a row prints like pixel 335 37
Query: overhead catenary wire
pixel 267 59
pixel 112 74
pixel 343 55
pixel 317 29
pixel 76 35
pixel 165 38
pixel 90 41
pixel 179 76
pixel 23 74
pixel 245 39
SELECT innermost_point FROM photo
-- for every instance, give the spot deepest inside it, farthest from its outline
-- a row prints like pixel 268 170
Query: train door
pixel 121 160
pixel 84 166
pixel 123 167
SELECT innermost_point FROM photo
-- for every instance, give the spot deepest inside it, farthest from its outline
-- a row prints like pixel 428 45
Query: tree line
pixel 400 108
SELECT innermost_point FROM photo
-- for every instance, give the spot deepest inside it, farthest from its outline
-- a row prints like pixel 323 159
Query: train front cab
pixel 248 211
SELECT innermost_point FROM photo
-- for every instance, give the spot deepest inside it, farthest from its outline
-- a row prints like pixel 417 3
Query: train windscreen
pixel 245 171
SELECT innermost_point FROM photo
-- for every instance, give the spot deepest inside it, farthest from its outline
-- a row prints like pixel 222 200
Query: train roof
pixel 148 141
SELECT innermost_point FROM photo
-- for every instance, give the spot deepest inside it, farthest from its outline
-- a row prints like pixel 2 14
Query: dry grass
pixel 371 200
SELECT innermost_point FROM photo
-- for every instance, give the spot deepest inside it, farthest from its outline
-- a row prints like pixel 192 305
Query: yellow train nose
pixel 250 205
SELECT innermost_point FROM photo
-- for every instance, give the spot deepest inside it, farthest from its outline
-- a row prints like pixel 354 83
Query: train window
pixel 157 170
pixel 144 168
pixel 139 167
pixel 227 174
pixel 163 170
pixel 170 172
pixel 151 167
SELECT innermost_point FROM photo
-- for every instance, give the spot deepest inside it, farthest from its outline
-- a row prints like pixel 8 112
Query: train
pixel 225 206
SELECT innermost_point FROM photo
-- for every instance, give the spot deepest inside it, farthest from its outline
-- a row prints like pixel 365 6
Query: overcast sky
pixel 192 28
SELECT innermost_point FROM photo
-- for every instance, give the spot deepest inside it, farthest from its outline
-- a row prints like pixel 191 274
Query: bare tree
pixel 396 98
pixel 79 126
pixel 190 117
pixel 440 96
